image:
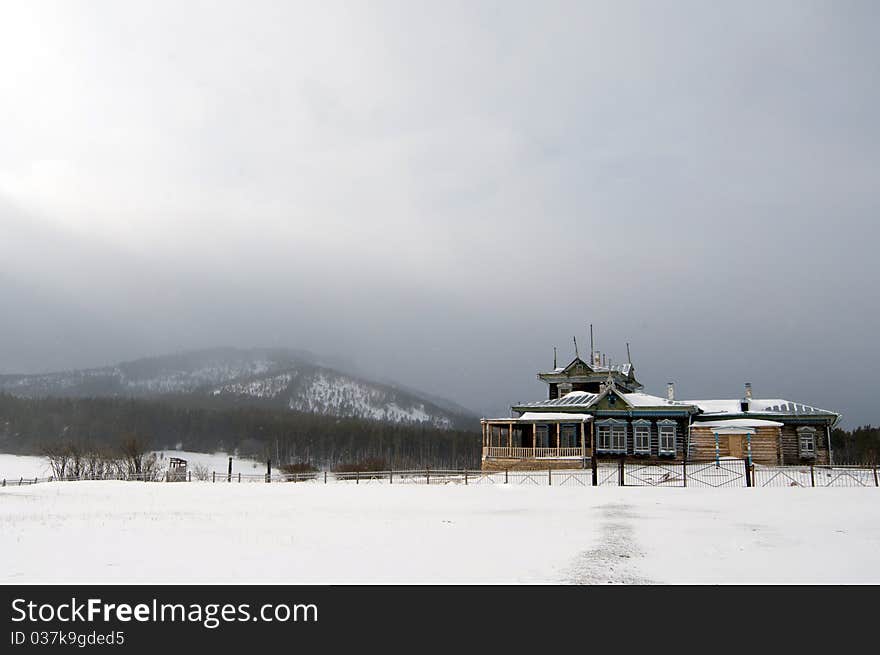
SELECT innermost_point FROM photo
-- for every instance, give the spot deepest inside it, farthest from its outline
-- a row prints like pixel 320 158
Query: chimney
pixel 670 391
pixel 744 404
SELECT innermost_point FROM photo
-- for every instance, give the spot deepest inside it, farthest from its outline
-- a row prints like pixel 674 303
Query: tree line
pixel 105 425
pixel 858 446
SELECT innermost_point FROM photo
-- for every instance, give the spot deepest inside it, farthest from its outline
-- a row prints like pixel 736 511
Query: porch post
pixel 717 463
pixel 583 445
pixel 557 438
pixel 534 438
pixel 510 439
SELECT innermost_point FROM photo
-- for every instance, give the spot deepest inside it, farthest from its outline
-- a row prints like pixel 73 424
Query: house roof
pixel 623 369
pixel 529 417
pixel 740 423
pixel 585 399
pixel 708 409
pixel 757 406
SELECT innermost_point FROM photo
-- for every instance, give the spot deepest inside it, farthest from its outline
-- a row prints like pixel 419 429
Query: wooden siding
pixel 791 448
pixel 765 444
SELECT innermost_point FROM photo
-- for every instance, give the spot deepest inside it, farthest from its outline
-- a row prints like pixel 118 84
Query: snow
pixel 528 417
pixel 343 396
pixel 13 467
pixel 739 423
pixel 762 405
pixel 130 532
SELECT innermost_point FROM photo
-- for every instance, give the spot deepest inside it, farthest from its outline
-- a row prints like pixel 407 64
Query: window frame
pixel 809 434
pixel 642 430
pixel 613 428
pixel 667 425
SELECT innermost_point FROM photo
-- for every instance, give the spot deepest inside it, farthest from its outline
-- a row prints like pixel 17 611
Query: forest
pixel 33 426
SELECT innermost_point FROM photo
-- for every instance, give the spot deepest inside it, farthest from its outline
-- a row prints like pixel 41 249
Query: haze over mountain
pixel 443 192
pixel 267 377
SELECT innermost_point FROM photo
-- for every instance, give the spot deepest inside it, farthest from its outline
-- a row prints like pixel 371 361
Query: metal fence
pixel 723 472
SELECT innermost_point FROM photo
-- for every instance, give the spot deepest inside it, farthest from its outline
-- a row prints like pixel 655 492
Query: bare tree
pixel 58 456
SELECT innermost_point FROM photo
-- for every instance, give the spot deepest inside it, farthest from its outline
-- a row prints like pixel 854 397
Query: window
pixel 642 438
pixel 618 438
pixel 611 436
pixel 541 438
pixel 807 442
pixel 564 388
pixel 666 430
pixel 568 434
pixel 603 438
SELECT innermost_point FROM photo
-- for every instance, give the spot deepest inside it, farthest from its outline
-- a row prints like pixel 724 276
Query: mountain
pixel 223 377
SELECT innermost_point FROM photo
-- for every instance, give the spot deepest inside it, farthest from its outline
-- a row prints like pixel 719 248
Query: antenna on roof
pixel 575 339
pixel 591 342
pixel 554 357
pixel 628 358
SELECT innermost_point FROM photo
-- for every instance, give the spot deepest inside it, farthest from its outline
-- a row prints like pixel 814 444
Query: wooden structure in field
pixel 596 409
pixel 176 470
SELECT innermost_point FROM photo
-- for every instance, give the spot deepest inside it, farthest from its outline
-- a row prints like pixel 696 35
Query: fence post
pixel 621 473
pixel 427 475
pixel 390 477
pixel 465 477
pixel 229 471
pixel 325 477
pixel 239 477
pixel 684 472
pixel 357 477
pixel 505 476
pixel 594 464
pixel 269 470
pixel 213 476
pixel 812 476
pixel 876 481
pixel 748 473
pixel 190 475
pixel 549 477
pixel 20 480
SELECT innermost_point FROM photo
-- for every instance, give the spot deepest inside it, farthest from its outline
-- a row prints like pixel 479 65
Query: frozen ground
pixel 121 532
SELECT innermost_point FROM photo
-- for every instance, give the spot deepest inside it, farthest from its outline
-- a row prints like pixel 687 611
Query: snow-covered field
pixel 13 467
pixel 121 532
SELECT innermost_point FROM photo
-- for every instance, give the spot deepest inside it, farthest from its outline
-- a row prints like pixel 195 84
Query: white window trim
pixel 662 426
pixel 642 428
pixel 810 434
pixel 610 424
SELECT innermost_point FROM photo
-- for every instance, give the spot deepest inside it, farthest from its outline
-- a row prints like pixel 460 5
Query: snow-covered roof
pixel 638 399
pixel 756 405
pixel 531 417
pixel 739 423
pixel 572 399
pixel 586 399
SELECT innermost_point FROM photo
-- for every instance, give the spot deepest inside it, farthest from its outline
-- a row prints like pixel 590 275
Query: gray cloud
pixel 441 192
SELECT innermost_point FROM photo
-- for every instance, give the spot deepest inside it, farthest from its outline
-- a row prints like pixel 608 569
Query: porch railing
pixel 531 453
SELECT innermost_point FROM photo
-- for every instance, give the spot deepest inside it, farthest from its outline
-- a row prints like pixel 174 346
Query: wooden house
pixel 595 409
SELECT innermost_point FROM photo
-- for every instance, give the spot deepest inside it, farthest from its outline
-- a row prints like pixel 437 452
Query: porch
pixel 537 435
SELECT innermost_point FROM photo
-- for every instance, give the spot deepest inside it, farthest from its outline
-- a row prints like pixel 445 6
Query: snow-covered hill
pixel 279 378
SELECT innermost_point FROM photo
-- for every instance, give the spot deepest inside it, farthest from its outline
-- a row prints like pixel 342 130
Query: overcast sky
pixel 441 192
